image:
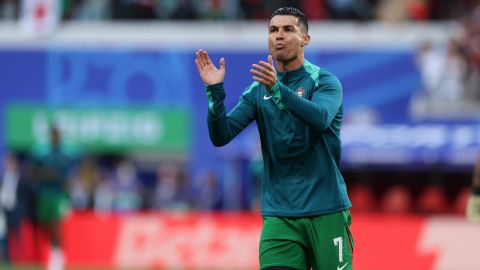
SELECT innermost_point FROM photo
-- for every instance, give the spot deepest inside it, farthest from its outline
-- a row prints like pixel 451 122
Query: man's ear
pixel 306 39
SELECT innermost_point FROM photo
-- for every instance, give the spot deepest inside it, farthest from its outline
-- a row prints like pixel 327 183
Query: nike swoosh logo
pixel 341 268
pixel 267 98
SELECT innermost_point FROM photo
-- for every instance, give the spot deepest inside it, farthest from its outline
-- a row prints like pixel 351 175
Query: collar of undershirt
pixel 292 75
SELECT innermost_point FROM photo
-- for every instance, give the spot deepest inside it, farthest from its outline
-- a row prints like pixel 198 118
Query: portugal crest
pixel 300 92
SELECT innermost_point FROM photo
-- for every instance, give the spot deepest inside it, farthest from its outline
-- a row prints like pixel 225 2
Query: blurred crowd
pixel 389 10
pixel 114 184
pixel 93 184
pixel 34 183
pixel 450 73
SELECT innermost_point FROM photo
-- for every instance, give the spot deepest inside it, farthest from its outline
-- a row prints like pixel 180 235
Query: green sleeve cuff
pixel 215 94
pixel 215 89
pixel 277 95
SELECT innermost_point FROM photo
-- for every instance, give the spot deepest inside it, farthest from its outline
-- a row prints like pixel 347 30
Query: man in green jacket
pixel 298 108
pixel 51 170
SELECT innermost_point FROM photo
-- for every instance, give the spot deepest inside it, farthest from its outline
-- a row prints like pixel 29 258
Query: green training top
pixel 52 168
pixel 299 123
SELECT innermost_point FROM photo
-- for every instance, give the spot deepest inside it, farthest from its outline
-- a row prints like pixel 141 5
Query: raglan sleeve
pixel 324 105
pixel 223 127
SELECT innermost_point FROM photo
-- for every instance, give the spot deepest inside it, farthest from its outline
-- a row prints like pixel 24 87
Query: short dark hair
pixel 302 19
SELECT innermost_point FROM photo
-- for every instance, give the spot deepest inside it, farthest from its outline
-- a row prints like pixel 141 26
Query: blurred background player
pixel 298 109
pixel 473 206
pixel 51 169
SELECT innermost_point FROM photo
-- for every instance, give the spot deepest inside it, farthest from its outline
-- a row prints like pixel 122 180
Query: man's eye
pixel 272 30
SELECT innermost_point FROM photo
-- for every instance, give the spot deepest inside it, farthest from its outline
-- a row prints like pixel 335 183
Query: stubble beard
pixel 285 59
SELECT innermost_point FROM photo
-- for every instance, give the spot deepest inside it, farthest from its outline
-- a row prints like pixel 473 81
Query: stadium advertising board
pixel 100 129
pixel 383 98
pixel 419 144
pixel 230 241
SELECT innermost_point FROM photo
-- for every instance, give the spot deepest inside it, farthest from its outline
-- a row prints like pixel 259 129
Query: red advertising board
pixel 230 241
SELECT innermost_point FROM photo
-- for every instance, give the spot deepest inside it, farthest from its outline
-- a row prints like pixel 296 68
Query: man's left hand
pixel 265 73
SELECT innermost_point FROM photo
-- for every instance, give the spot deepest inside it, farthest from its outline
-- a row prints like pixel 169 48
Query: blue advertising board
pixel 379 86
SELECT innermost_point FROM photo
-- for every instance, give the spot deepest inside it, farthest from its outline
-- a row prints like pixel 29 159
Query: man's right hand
pixel 208 71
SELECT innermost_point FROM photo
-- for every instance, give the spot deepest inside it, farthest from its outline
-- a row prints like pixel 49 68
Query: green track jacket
pixel 299 122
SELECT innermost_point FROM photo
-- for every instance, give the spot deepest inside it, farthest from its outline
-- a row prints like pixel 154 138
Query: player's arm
pixel 473 205
pixel 321 109
pixel 222 127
